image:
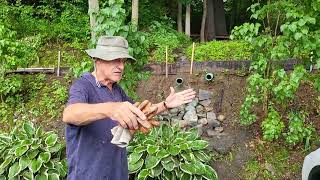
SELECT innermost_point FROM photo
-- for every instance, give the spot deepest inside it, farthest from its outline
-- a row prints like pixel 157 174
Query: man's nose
pixel 121 65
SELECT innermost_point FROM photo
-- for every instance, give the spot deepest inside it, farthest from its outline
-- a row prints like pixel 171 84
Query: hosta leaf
pixel 3 178
pixel 151 149
pixel 186 176
pixel 27 175
pixel 14 170
pixel 162 154
pixel 173 150
pixel 35 165
pixel 4 139
pixel 31 154
pixel 4 164
pixel 200 168
pixel 39 132
pixel 166 131
pixel 168 175
pixel 26 142
pixel 51 140
pixel 199 144
pixel 168 165
pixel 143 174
pixel 57 147
pixel 134 157
pixel 183 147
pixel 202 156
pixel 62 169
pixel 28 128
pixel 134 167
pixel 44 157
pixel 24 162
pixel 151 161
pixel 35 145
pixel 41 177
pixel 139 149
pixel 21 150
pixel 156 171
pixel 53 176
pixel 188 157
pixel 192 135
pixel 187 168
pixel 197 177
pixel 210 174
pixel 179 141
pixel 49 165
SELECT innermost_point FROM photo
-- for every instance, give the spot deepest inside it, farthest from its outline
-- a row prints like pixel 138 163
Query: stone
pixel 200 129
pixel 174 111
pixel 203 121
pixel 212 132
pixel 205 103
pixel 190 108
pixel 183 124
pixel 194 102
pixel 202 115
pixel 211 116
pixel 203 94
pixel 208 108
pixel 199 108
pixel 180 115
pixel 166 112
pixel 191 116
pixel 219 129
pixel 221 142
pixel 221 118
pixel 181 108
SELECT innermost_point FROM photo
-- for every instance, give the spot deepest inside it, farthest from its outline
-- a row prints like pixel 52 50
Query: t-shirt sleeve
pixel 78 93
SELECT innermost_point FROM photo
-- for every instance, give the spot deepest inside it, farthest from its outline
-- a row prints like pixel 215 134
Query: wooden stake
pixel 192 57
pixel 59 60
pixel 166 61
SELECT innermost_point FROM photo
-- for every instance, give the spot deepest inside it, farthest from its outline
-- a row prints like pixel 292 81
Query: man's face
pixel 111 70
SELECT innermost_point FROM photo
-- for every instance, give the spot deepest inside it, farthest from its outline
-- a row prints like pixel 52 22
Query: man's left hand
pixel 177 99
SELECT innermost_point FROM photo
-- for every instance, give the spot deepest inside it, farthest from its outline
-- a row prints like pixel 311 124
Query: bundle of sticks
pixel 150 111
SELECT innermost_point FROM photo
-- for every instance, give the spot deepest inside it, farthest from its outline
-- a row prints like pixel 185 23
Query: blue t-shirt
pixel 90 154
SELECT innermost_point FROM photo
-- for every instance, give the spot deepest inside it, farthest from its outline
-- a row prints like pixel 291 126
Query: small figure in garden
pixel 98 104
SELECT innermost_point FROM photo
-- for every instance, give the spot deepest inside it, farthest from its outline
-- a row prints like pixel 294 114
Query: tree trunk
pixel 93 10
pixel 203 22
pixel 135 12
pixel 179 19
pixel 187 25
pixel 216 21
pixel 210 25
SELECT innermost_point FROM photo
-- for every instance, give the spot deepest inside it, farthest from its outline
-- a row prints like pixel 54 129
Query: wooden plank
pixel 33 70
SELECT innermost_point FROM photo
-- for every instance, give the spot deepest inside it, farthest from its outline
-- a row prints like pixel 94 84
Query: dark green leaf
pixel 35 165
pixel 156 171
pixel 39 132
pixel 202 156
pixel 4 164
pixel 173 150
pixel 151 161
pixel 21 150
pixel 162 154
pixel 24 162
pixel 53 176
pixel 186 176
pixel 139 149
pixel 28 128
pixel 27 175
pixel 199 144
pixel 51 140
pixel 134 157
pixel 44 157
pixel 210 174
pixel 14 170
pixel 41 177
pixel 143 174
pixel 134 167
pixel 57 147
pixel 31 154
pixel 187 168
pixel 151 149
pixel 169 165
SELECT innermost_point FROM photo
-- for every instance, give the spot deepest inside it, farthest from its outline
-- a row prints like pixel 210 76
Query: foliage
pixel 169 153
pixel 272 126
pixel 28 152
pixel 161 36
pixel 284 29
pixel 298 131
pixel 221 50
pixel 111 21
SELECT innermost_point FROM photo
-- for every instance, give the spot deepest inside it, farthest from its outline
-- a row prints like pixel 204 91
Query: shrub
pixel 169 153
pixel 221 50
pixel 28 152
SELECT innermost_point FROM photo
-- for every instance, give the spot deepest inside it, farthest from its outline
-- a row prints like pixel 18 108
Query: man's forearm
pixel 83 114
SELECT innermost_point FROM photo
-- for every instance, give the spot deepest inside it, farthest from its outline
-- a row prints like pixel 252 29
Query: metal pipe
pixel 209 76
pixel 179 81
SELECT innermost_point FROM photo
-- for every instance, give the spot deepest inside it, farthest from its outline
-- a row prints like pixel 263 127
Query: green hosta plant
pixel 30 153
pixel 169 153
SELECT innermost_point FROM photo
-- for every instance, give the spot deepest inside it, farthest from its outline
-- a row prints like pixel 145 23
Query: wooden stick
pixel 166 61
pixel 192 57
pixel 59 60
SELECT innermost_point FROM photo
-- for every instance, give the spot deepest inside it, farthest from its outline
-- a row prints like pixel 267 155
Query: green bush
pixel 159 37
pixel 169 153
pixel 272 126
pixel 221 50
pixel 28 152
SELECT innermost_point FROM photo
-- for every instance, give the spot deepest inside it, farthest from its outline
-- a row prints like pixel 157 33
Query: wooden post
pixel 166 61
pixel 192 57
pixel 59 60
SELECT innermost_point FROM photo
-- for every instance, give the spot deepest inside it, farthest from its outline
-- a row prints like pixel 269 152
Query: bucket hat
pixel 110 48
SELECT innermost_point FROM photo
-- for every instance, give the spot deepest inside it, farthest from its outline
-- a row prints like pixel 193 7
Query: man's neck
pixel 105 82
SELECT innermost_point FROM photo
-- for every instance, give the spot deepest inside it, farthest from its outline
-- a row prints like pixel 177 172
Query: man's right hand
pixel 126 114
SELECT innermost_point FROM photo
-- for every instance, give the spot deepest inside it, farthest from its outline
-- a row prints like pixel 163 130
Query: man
pixel 97 104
